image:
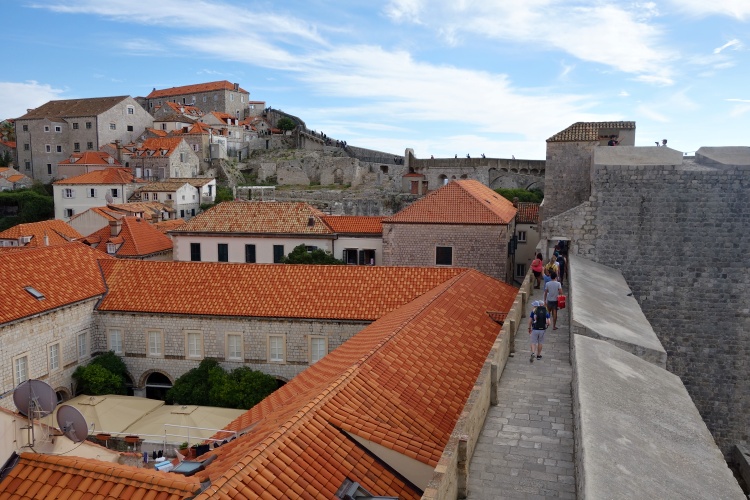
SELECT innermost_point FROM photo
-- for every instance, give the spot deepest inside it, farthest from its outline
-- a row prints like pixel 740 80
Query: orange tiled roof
pixel 157 132
pixel 10 144
pixel 528 213
pixel 158 145
pixel 91 158
pixel 197 128
pixel 168 225
pixel 258 217
pixel 359 293
pixel 43 477
pixel 57 231
pixel 148 209
pixel 112 175
pixel 183 109
pixel 102 211
pixel 400 383
pixel 354 224
pixel 64 274
pixel 15 178
pixel 588 131
pixel 459 202
pixel 194 89
pixel 138 239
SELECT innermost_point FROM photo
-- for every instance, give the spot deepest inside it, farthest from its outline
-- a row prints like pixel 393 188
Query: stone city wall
pixel 568 168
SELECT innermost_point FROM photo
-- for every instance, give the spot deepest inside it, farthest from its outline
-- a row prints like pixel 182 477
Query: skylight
pixel 34 292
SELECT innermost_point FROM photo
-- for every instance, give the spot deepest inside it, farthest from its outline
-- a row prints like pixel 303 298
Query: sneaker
pixel 539 357
pixel 531 359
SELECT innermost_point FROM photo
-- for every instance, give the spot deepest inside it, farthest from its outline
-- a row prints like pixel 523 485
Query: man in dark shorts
pixel 551 291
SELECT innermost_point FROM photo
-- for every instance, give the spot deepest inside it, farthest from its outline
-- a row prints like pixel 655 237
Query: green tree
pixel 533 195
pixel 6 159
pixel 113 363
pixel 28 206
pixel 224 194
pixel 286 123
pixel 95 380
pixel 301 255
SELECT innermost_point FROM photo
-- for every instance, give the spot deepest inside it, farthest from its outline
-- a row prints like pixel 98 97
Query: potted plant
pixel 184 450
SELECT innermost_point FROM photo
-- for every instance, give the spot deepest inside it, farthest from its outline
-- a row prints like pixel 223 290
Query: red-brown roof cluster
pixel 401 384
pixel 528 213
pixel 194 89
pixel 459 202
pixel 42 477
pixel 73 108
pixel 168 225
pixel 9 144
pixel 158 146
pixel 91 158
pixel 354 224
pixel 258 217
pixel 57 232
pixel 361 293
pixel 588 131
pixel 111 175
pixel 63 274
pixel 136 239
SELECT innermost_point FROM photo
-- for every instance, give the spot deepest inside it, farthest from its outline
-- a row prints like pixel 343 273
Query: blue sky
pixel 442 77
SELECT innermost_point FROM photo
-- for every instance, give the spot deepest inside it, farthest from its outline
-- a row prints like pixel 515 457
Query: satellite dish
pixel 72 424
pixel 34 398
pixel 108 198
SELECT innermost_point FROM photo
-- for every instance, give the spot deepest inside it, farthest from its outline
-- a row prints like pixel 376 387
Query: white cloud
pixel 17 97
pixel 737 100
pixel 623 93
pixel 407 11
pixel 734 44
pixel 739 9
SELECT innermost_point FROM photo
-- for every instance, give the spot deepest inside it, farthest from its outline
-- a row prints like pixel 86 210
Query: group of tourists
pixel 553 274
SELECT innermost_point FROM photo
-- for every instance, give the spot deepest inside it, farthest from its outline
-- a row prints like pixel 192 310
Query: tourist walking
pixel 538 324
pixel 562 266
pixel 537 267
pixel 552 290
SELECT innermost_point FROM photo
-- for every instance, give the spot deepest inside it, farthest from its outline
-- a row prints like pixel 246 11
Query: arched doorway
pixel 157 385
pixel 62 394
pixel 443 179
pixel 338 176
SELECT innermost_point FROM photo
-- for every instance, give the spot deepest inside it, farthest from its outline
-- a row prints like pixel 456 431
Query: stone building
pixel 111 185
pixel 131 238
pixel 161 158
pixel 462 224
pixel 221 96
pixel 11 179
pixel 54 131
pixel 527 236
pixel 676 227
pixel 183 195
pixel 83 163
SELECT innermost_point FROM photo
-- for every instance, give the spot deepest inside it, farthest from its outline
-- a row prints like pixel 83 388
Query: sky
pixel 493 77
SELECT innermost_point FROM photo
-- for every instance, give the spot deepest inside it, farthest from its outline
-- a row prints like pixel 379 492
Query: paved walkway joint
pixel 525 450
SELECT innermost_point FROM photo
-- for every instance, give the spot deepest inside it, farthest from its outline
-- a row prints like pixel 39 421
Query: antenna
pixel 34 399
pixel 72 423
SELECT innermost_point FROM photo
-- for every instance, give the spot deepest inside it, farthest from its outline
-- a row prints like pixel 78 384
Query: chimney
pixel 515 201
pixel 46 239
pixel 236 87
pixel 118 146
pixel 115 226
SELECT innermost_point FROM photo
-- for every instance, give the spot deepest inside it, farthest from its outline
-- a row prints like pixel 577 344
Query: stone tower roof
pixel 588 131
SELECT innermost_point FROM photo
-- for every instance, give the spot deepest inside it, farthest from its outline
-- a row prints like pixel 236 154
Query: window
pixel 83 346
pixel 113 126
pixel 58 128
pixel 26 146
pixel 59 149
pixel 182 158
pixel 155 343
pixel 69 193
pixel 46 128
pixel 195 147
pixel 145 196
pixel 444 256
pixel 182 214
pixel 164 126
pixel 522 236
pixel 276 348
pixel 53 353
pixel 115 192
pixel 75 125
pixel 223 252
pixel 520 269
pixel 92 192
pixel 114 342
pixel 89 145
pixel 27 164
pixel 216 97
pixel 194 345
pixel 154 196
pixel 204 98
pixel 131 110
pixel 195 252
pixel 48 148
pixel 25 128
pixel 169 196
pixel 21 368
pixel 49 169
pixel 130 128
pixel 234 346
pixel 76 146
pixel 278 253
pixel 318 348
pixel 231 97
pixel 88 124
pixel 68 212
pixel 250 254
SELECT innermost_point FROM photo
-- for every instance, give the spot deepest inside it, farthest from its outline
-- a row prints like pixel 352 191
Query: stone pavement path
pixel 525 450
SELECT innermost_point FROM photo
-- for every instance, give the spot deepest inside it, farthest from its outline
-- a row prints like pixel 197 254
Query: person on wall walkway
pixel 538 324
pixel 551 291
pixel 537 266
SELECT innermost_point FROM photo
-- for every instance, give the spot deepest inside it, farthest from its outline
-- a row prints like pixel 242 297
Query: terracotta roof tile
pixel 459 202
pixel 139 239
pixel 151 210
pixel 588 131
pixel 528 213
pixel 57 231
pixel 158 147
pixel 91 158
pixel 74 107
pixel 70 274
pixel 383 385
pixel 265 290
pixel 42 477
pixel 196 88
pixel 168 225
pixel 258 217
pixel 354 224
pixel 111 175
pixel 15 178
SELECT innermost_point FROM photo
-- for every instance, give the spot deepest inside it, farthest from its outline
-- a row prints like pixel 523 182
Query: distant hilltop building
pixel 221 96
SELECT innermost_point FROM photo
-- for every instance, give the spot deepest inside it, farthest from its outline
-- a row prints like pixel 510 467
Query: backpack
pixel 540 318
